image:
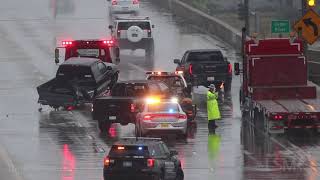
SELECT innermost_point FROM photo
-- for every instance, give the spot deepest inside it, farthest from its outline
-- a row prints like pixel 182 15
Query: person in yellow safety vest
pixel 212 107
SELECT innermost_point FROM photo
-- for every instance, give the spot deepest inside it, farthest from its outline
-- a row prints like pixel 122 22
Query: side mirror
pixel 236 69
pixel 110 27
pixel 176 61
pixel 56 55
pixel 173 153
pixel 152 26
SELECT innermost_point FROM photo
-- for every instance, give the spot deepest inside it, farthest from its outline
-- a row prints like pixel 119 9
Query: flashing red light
pixel 66 42
pixel 108 42
pixel 135 2
pixel 190 69
pixel 278 117
pixel 114 2
pixel 150 163
pixel 229 68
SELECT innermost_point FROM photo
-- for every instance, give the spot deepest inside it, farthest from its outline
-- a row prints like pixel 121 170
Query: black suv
pixel 203 67
pixel 126 96
pixel 142 158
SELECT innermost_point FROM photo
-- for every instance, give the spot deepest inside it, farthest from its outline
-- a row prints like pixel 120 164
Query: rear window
pixel 163 107
pixel 142 24
pixel 170 81
pixel 75 72
pixel 132 150
pixel 205 56
pixel 129 90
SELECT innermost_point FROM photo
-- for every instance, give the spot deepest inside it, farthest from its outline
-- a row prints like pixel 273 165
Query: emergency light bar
pixel 89 42
pixel 159 73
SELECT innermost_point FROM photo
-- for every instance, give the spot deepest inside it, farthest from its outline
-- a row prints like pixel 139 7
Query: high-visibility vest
pixel 212 106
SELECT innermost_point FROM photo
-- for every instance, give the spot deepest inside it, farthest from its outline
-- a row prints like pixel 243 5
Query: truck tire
pixel 104 126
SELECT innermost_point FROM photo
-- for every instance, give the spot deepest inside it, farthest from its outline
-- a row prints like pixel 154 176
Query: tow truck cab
pixel 105 50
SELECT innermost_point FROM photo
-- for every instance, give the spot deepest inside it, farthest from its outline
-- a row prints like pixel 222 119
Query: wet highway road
pixel 67 145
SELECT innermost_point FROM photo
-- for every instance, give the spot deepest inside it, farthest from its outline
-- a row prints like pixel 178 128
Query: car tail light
pixel 277 117
pixel 150 162
pixel 107 161
pixel 147 117
pixel 120 148
pixel 114 2
pixel 229 68
pixel 135 2
pixel 190 69
pixel 182 116
pixel 132 108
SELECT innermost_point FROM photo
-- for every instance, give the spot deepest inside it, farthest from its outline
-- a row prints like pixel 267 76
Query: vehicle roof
pixel 137 141
pixel 81 61
pixel 204 50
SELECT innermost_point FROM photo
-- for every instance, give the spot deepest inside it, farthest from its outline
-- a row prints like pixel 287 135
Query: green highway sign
pixel 280 26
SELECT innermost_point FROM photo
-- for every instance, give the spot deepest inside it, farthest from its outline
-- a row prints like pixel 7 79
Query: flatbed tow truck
pixel 275 91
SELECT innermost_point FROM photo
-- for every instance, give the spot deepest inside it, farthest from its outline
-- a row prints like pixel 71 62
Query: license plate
pixel 127 164
pixel 164 125
pixel 134 35
pixel 112 117
pixel 210 78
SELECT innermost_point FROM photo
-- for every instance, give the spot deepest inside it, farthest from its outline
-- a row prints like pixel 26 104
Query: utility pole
pixel 247 17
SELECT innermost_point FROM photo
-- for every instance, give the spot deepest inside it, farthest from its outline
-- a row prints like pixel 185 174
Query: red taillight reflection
pixel 68 165
pixel 190 68
pixel 150 163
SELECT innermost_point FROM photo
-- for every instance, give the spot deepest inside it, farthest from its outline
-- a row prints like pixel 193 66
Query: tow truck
pixel 275 93
pixel 178 88
pixel 106 50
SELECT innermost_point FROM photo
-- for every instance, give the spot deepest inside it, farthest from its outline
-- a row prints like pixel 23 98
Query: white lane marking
pixel 4 155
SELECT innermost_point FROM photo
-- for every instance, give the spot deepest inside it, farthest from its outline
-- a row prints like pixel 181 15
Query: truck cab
pixel 106 50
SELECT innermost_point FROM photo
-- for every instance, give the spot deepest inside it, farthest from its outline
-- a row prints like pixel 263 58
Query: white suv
pixel 124 6
pixel 134 33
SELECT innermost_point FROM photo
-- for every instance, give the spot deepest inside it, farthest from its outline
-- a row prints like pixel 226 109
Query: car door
pixel 164 160
pixel 103 77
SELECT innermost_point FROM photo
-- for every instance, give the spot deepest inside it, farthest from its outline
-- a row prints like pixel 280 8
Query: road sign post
pixel 280 26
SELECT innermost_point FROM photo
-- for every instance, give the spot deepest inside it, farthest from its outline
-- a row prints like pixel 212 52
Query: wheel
pixel 180 174
pixel 104 126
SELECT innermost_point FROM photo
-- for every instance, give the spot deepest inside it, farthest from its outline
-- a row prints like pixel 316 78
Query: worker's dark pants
pixel 212 125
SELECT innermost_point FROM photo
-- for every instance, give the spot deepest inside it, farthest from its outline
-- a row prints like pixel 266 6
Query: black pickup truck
pixel 125 100
pixel 203 67
pixel 77 81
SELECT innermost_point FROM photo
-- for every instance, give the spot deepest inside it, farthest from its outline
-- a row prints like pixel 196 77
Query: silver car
pixel 165 116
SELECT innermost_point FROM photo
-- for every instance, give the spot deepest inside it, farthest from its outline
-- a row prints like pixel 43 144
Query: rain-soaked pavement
pixel 60 145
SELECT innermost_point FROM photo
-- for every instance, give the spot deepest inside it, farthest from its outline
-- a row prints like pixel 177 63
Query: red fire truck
pixel 105 50
pixel 275 90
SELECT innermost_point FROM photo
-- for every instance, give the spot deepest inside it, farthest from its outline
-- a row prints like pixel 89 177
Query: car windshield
pixel 142 24
pixel 163 107
pixel 129 150
pixel 205 56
